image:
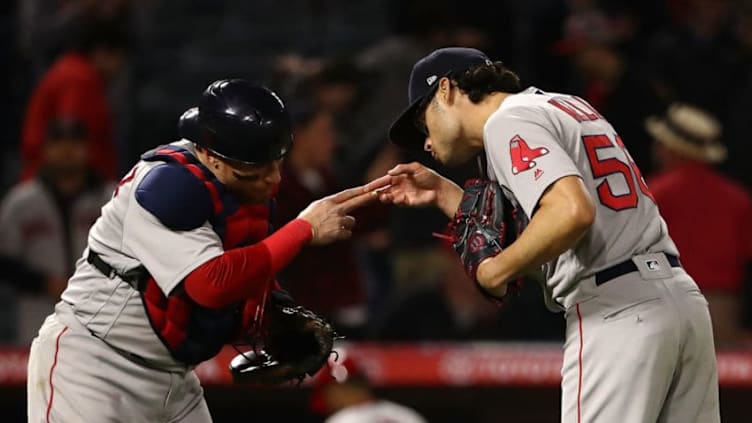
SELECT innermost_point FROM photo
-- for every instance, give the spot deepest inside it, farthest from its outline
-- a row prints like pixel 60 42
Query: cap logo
pixel 431 79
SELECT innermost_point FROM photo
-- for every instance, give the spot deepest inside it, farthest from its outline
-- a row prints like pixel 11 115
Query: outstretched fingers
pixel 379 184
pixel 405 169
pixel 347 194
pixel 351 199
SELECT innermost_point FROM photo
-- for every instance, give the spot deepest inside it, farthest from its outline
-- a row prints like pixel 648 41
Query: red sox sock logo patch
pixel 523 156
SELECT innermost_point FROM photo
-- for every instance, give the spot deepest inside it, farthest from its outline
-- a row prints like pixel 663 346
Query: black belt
pixel 135 277
pixel 625 267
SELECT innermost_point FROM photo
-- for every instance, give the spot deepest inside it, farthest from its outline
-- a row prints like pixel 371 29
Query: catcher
pixel 182 262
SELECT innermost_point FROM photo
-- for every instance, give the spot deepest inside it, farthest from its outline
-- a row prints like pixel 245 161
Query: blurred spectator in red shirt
pixel 326 279
pixel 75 88
pixel 709 216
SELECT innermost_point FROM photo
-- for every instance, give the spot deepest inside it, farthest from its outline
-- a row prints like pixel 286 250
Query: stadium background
pixel 421 333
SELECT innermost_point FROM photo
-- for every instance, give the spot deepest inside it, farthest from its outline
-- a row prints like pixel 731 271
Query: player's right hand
pixel 329 217
pixel 415 185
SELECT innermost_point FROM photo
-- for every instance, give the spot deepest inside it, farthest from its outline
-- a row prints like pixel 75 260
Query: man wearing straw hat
pixel 709 216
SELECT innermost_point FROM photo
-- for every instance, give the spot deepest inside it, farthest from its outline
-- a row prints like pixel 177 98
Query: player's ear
pixel 445 92
pixel 213 160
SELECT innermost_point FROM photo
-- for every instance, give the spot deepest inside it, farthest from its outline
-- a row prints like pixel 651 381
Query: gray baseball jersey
pixel 639 343
pixel 536 138
pixel 132 375
pixel 127 236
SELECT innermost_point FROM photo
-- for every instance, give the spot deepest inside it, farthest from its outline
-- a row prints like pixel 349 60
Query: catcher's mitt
pixel 295 343
pixel 485 223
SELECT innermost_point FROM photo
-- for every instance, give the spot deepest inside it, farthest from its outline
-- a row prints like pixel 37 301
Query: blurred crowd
pixel 91 84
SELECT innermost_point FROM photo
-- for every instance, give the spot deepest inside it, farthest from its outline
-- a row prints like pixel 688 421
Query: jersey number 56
pixel 610 166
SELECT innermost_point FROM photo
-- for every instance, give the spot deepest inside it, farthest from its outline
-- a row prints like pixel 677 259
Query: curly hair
pixel 482 80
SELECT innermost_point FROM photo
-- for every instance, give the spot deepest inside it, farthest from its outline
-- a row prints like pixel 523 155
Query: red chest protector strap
pixel 191 332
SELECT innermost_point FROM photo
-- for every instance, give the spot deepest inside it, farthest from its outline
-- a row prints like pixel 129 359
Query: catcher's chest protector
pixel 190 332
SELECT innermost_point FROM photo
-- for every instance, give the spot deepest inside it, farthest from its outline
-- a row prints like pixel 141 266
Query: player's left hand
pixel 481 229
pixel 296 343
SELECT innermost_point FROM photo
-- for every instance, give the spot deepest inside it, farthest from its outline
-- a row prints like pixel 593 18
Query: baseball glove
pixel 293 343
pixel 485 223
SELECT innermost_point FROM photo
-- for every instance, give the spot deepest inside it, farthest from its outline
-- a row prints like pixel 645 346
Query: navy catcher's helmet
pixel 239 121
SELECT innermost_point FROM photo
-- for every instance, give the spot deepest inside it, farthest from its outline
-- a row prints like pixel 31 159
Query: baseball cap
pixel 424 81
